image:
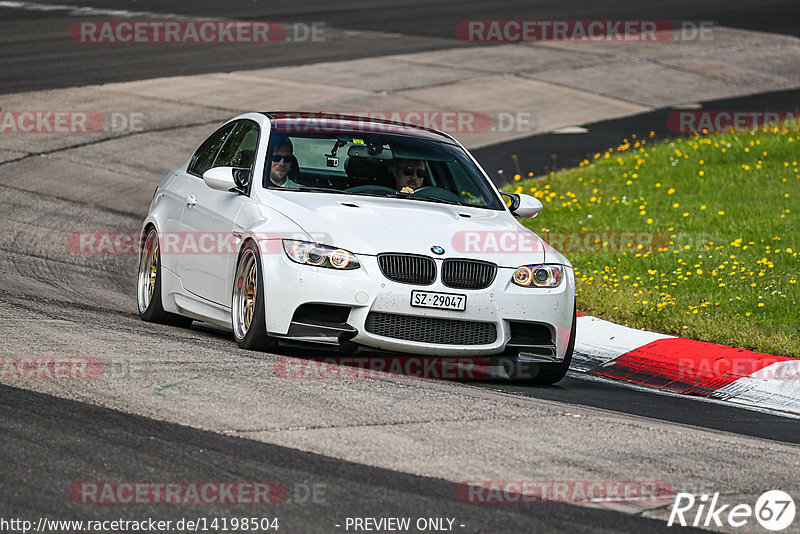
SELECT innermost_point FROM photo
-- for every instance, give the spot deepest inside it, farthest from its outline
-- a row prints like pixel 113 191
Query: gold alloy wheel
pixel 249 296
pixel 148 271
pixel 245 289
pixel 153 271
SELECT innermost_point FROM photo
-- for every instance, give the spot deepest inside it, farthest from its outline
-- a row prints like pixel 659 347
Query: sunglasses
pixel 278 157
pixel 409 171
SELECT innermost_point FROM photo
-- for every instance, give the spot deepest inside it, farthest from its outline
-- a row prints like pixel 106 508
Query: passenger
pixel 282 163
pixel 408 174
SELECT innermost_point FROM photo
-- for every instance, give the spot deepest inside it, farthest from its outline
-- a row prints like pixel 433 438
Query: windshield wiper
pixel 428 199
pixel 315 189
pixel 365 194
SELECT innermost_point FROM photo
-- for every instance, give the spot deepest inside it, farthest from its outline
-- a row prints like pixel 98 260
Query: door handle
pixel 191 200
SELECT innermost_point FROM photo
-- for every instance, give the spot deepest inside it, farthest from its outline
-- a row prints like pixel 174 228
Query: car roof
pixel 299 122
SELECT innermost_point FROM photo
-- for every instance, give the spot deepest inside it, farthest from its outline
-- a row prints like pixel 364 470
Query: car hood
pixel 372 225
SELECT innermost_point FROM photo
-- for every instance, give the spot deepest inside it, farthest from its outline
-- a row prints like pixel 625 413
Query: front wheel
pixel 544 373
pixel 247 307
pixel 148 286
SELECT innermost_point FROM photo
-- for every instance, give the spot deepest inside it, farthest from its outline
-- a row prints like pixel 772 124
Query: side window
pixel 204 157
pixel 239 149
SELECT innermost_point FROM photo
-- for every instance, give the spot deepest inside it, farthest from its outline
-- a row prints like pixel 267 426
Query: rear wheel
pixel 247 306
pixel 148 285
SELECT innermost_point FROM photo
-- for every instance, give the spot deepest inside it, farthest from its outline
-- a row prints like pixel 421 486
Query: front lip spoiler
pixel 338 335
pixel 329 334
pixel 535 353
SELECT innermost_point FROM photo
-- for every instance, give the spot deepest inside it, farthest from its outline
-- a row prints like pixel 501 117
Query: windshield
pixel 377 165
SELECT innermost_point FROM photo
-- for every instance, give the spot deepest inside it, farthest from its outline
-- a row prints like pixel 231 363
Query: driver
pixel 408 174
pixel 281 164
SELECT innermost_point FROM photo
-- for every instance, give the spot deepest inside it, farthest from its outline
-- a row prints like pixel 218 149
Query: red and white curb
pixel 686 366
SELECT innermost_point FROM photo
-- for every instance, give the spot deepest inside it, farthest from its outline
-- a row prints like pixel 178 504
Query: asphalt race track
pixel 37 55
pixel 178 405
pixel 130 444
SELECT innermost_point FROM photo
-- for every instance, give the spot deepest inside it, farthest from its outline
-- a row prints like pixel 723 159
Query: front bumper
pixel 367 292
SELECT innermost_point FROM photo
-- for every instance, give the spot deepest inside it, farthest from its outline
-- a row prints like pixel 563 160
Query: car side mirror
pixel 522 206
pixel 225 178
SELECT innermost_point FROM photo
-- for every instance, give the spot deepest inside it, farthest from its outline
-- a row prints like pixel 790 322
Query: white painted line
pixel 80 11
pixel 291 27
pixel 688 105
pixel 570 130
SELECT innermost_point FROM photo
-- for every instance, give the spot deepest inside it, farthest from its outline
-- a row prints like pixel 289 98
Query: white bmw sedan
pixel 360 234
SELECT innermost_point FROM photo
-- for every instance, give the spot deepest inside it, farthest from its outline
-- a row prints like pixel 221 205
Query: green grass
pixel 724 213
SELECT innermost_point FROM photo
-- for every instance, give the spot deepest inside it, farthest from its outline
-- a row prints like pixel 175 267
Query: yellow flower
pixel 676 205
pixel 701 173
pixel 720 212
pixel 671 190
pixel 760 304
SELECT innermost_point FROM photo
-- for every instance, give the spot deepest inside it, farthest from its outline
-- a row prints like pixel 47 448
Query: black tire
pixel 250 334
pixel 148 285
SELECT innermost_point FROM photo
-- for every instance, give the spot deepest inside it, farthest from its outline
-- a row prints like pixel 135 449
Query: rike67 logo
pixel 774 510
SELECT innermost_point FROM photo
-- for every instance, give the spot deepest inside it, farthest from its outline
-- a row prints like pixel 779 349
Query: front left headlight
pixel 317 255
pixel 538 275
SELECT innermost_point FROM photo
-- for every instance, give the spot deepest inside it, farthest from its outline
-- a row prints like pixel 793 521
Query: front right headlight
pixel 538 275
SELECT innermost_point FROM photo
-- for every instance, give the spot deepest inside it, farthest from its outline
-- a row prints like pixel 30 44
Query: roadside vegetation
pixel 713 235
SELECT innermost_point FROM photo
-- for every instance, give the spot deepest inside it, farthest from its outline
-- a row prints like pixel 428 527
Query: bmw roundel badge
pixel 436 249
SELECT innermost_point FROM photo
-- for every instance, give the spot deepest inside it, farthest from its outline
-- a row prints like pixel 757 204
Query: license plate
pixel 441 301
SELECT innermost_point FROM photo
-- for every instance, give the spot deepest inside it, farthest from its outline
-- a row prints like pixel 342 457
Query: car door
pixel 179 192
pixel 209 218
